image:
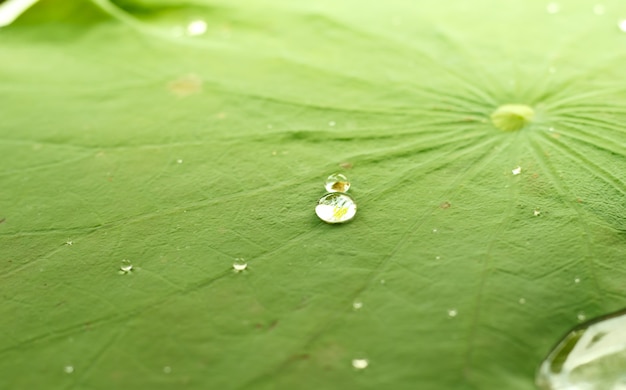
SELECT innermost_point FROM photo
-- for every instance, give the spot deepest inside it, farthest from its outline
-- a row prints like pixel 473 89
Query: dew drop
pixel 536 213
pixel 437 257
pixel 360 364
pixel 577 280
pixel 599 9
pixel 357 305
pixel 516 171
pixel 435 230
pixel 240 265
pixel 68 369
pixel 337 182
pixel 591 356
pixel 336 207
pixel 331 123
pixel 581 317
pixel 126 266
pixel 196 27
pixel 553 8
pixel 622 25
pixel 179 161
pixel 452 313
pixel 167 369
pixel 522 301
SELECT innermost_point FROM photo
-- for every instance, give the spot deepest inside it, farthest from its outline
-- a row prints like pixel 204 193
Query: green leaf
pixel 128 132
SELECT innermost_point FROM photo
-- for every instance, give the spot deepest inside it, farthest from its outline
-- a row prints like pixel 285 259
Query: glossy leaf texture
pixel 184 135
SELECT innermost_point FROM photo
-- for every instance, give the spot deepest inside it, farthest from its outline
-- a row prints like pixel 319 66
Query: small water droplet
pixel 435 230
pixel 360 364
pixel 68 369
pixel 553 8
pixel 240 264
pixel 382 281
pixel 536 213
pixel 69 242
pixel 167 369
pixel 331 123
pixel 357 305
pixel 622 25
pixel 336 207
pixel 591 356
pixel 577 280
pixel 196 27
pixel 581 317
pixel 516 171
pixel 180 161
pixel 337 182
pixel 126 266
pixel 522 301
pixel 452 313
pixel 437 257
pixel 551 129
pixel 599 9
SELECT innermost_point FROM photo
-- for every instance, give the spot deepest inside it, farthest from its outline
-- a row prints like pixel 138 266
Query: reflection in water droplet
pixel 622 25
pixel 68 369
pixel 591 356
pixel 337 182
pixel 599 9
pixel 553 8
pixel 360 364
pixel 196 27
pixel 126 266
pixel 239 265
pixel 357 305
pixel 336 207
pixel 452 313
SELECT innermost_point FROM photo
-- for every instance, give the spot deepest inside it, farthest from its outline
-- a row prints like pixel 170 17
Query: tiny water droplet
pixel 68 369
pixel 69 243
pixel 336 207
pixel 196 27
pixel 577 280
pixel 437 257
pixel 599 9
pixel 180 161
pixel 337 182
pixel 331 123
pixel 581 317
pixel 622 25
pixel 240 264
pixel 167 369
pixel 551 129
pixel 360 364
pixel 516 171
pixel 452 313
pixel 553 8
pixel 382 281
pixel 126 266
pixel 357 305
pixel 591 356
pixel 435 230
pixel 536 213
pixel 522 301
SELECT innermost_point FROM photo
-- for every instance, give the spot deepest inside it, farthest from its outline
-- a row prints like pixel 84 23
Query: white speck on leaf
pixel 517 171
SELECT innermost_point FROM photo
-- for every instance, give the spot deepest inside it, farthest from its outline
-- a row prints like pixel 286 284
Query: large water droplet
pixel 240 264
pixel 126 266
pixel 511 117
pixel 336 207
pixel 337 182
pixel 592 356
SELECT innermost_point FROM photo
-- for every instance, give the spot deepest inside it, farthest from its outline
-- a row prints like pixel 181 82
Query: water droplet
pixel 336 207
pixel 360 364
pixel 553 8
pixel 522 301
pixel 239 264
pixel 167 369
pixel 196 27
pixel 382 281
pixel 435 230
pixel 577 280
pixel 126 266
pixel 357 305
pixel 536 213
pixel 331 123
pixel 69 242
pixel 591 356
pixel 622 25
pixel 599 9
pixel 437 257
pixel 517 171
pixel 581 317
pixel 180 161
pixel 551 129
pixel 337 182
pixel 452 313
pixel 511 117
pixel 68 369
